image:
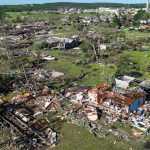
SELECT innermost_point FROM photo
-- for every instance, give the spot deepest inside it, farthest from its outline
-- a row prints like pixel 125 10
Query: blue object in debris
pixel 134 106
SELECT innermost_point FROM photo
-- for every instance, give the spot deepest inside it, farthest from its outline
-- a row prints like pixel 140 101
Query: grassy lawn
pixel 78 138
pixel 127 128
pixel 142 58
pixel 135 34
pixel 65 30
pixel 66 63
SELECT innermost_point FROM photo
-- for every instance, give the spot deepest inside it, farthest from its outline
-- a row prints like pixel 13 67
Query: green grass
pixel 36 16
pixel 66 64
pixel 135 34
pixel 45 15
pixel 67 30
pixel 78 138
pixel 142 58
pixel 127 128
pixel 83 15
pixel 9 96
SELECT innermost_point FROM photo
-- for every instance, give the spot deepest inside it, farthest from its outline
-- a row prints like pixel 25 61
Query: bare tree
pixel 95 38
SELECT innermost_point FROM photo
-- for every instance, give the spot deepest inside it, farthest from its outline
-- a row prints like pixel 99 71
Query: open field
pixel 78 138
pixel 36 15
pixel 142 58
pixel 135 34
pixel 65 30
pixel 96 73
pixel 45 15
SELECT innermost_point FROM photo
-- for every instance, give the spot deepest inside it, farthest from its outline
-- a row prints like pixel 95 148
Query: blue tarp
pixel 134 106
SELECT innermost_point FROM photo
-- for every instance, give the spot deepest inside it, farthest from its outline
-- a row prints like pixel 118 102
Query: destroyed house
pixel 70 43
pixel 97 94
pixel 19 32
pixel 131 100
pixel 63 43
pixel 17 53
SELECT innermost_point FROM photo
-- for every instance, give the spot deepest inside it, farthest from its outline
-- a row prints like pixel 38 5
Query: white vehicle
pixel 49 58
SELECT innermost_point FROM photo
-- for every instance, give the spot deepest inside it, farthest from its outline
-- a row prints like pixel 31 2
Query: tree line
pixel 55 6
